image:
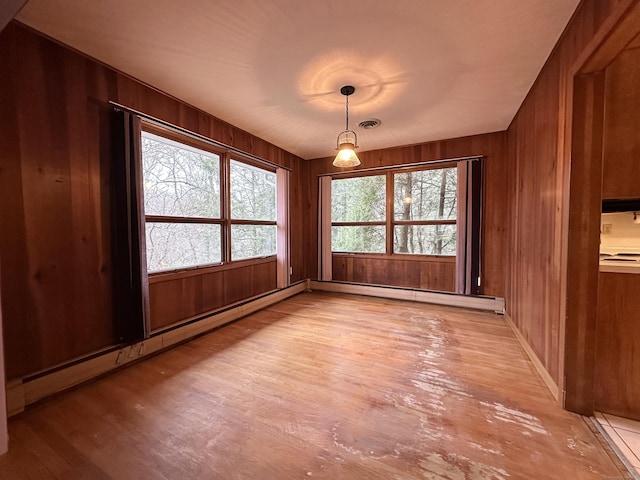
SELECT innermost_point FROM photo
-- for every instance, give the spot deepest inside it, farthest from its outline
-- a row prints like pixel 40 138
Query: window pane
pixel 365 238
pixel 253 193
pixel 249 241
pixel 426 195
pixel 425 239
pixel 360 199
pixel 179 180
pixel 178 245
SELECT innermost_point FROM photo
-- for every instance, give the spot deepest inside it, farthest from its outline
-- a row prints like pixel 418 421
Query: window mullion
pixel 225 189
pixel 389 213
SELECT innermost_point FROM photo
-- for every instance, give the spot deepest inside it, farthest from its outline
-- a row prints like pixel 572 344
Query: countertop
pixel 620 267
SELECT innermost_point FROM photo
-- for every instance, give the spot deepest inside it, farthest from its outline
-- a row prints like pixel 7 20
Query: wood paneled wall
pixel 617 368
pixel 494 221
pixel 434 274
pixel 177 297
pixel 621 172
pixel 55 201
pixel 538 193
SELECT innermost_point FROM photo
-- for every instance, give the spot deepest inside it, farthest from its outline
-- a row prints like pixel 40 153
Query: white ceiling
pixel 428 69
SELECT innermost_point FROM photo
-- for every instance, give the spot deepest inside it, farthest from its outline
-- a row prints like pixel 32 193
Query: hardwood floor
pixel 318 386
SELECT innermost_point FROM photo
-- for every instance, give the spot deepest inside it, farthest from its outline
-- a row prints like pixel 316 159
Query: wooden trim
pixel 4 435
pixel 8 10
pixel 182 138
pixel 168 276
pixel 546 378
pixel 493 304
pixel 428 165
pixel 324 229
pixel 168 219
pixel 616 33
pixel 423 222
pixel 389 213
pixel 239 154
pixel 283 245
pixel 28 391
pixel 266 223
pixel 359 224
pixel 399 256
pixel 577 335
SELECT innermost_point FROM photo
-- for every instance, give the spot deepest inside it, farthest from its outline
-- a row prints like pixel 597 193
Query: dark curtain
pixel 131 299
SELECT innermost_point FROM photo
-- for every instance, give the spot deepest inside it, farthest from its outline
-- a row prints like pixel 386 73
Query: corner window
pixel 189 219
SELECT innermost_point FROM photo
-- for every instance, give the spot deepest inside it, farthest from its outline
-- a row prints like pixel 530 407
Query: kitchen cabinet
pixel 621 155
pixel 617 368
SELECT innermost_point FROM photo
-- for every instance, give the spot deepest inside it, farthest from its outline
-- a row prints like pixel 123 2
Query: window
pixel 358 208
pixel 188 221
pixel 425 211
pixel 420 220
pixel 253 211
pixel 181 203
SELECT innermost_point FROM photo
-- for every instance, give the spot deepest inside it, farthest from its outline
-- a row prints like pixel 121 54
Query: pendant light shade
pixel 347 139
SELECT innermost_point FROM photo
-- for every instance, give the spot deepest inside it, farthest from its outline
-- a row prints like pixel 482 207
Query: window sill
pixel 399 256
pixel 159 277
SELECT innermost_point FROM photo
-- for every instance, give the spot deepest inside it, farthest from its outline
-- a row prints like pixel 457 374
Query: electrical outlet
pixel 606 228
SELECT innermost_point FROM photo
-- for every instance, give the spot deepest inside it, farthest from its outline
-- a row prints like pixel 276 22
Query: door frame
pixel 580 148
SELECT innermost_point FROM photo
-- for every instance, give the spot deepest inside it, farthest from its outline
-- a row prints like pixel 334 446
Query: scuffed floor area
pixel 318 386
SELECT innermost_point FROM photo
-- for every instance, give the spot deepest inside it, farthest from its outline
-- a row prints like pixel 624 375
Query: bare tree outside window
pixel 180 182
pixel 428 200
pixel 358 212
pixel 186 217
pixel 424 212
pixel 253 199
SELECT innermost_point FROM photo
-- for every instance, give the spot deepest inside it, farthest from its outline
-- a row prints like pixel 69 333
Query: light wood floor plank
pixel 318 386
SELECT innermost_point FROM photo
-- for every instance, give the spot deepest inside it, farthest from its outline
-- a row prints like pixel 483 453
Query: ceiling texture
pixel 427 69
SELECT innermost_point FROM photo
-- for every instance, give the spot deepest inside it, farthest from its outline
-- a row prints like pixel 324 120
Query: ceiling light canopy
pixel 347 139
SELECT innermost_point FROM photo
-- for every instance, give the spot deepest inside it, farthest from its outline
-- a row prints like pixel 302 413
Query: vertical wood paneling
pixel 539 194
pixel 176 299
pixel 4 436
pixel 621 172
pixel 617 370
pixel 432 274
pixel 55 205
pixel 584 229
pixel 494 216
pixel 60 307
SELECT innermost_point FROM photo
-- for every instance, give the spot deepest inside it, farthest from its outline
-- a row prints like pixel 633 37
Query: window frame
pixel 390 222
pixel 375 223
pixel 395 222
pixel 224 220
pixel 230 221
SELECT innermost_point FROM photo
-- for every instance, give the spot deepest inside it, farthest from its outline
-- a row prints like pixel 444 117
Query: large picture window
pixel 189 219
pixel 358 208
pixel 181 203
pixel 420 219
pixel 425 212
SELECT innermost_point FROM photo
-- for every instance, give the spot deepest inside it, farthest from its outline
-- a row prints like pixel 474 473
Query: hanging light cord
pixel 347 109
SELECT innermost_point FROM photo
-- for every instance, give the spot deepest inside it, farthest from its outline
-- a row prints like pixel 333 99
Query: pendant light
pixel 347 139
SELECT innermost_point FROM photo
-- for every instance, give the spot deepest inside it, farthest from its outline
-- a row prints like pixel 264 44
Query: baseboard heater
pixel 476 302
pixel 29 390
pixel 26 391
